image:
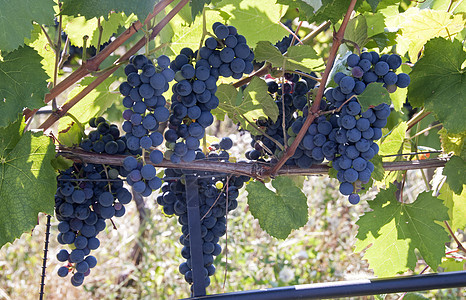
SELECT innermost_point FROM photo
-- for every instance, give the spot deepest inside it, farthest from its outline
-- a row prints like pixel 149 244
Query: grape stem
pixel 338 37
pixel 460 246
pixel 70 103
pixel 279 145
pixel 93 63
pixel 295 37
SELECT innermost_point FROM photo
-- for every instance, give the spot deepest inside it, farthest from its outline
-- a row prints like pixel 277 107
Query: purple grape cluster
pixel 105 138
pixel 347 137
pixel 144 101
pixel 86 196
pixel 194 97
pixel 217 196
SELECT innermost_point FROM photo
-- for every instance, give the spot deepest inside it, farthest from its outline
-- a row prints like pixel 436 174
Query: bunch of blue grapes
pixel 347 137
pixel 86 196
pixel 104 139
pixel 217 196
pixel 144 100
pixel 294 93
pixel 142 177
pixel 226 55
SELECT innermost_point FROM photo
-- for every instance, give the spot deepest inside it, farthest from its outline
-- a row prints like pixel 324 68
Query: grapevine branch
pixel 252 169
pixel 337 40
pixel 458 243
pixel 69 104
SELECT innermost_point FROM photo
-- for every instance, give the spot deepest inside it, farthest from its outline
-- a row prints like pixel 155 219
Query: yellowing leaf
pixel 456 206
pixel 419 26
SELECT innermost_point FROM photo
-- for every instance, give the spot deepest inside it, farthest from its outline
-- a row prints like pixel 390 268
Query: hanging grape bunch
pixel 86 196
pixel 227 55
pixel 217 196
pixel 347 138
pixel 146 109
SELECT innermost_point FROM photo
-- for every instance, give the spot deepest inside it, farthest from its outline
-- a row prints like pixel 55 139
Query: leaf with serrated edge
pixel 398 98
pixel 439 83
pixel 94 104
pixel 27 180
pixel 265 51
pixel 356 31
pixel 420 25
pixel 455 172
pixel 396 229
pixel 77 27
pixel 374 94
pixel 305 8
pixel 16 20
pixel 257 20
pixel 23 83
pixel 101 8
pixel 40 43
pixel 70 136
pixel 61 163
pixel 393 142
pixel 251 105
pixel 303 58
pixel 256 92
pixel 281 211
pixel 456 207
pixel 378 173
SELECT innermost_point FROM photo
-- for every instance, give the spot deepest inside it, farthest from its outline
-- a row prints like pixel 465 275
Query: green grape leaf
pixel 455 172
pixel 39 42
pixel 379 171
pixel 397 229
pixel 23 83
pixel 453 143
pixel 181 33
pixel 375 24
pixel 438 82
pixel 450 264
pixel 373 4
pixel 264 14
pixel 374 94
pixel 249 105
pixel 393 143
pixel 414 296
pixel 332 10
pixel 398 98
pixel 61 163
pixel 256 92
pixel 303 58
pixel 95 9
pixel 456 207
pixel 420 25
pixel 197 6
pixel 71 136
pixel 77 27
pixel 305 8
pixel 356 31
pixel 265 51
pixel 16 20
pixel 27 180
pixel 94 104
pixel 281 211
